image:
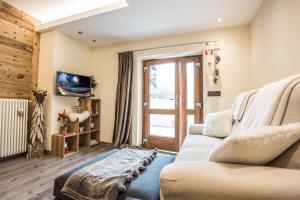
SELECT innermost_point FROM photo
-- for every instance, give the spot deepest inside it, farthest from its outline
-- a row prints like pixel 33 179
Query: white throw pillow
pixel 218 124
pixel 256 146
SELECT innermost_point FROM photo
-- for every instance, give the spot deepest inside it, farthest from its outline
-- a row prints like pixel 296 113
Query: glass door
pixel 172 101
pixel 191 94
pixel 161 104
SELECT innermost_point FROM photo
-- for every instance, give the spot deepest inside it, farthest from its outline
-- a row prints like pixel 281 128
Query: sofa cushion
pixel 216 181
pixel 289 159
pixel 256 146
pixel 193 155
pixel 218 124
pixel 197 148
pixel 199 142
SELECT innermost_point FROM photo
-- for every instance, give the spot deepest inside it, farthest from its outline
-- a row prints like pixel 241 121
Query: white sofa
pixel 192 176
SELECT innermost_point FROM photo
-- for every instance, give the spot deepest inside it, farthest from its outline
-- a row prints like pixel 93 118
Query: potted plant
pixel 93 83
pixel 63 118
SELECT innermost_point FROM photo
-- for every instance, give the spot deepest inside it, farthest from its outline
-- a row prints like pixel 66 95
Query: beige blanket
pixel 104 179
pixel 270 102
pixel 240 104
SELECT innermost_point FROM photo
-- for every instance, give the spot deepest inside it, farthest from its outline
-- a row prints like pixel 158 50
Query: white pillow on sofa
pixel 218 124
pixel 256 146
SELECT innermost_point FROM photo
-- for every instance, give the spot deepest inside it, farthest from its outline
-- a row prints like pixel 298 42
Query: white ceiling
pixel 144 19
pixel 50 10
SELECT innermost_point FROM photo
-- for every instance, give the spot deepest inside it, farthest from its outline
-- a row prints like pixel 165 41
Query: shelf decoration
pixel 80 116
pixel 63 118
pixel 36 139
pixel 83 129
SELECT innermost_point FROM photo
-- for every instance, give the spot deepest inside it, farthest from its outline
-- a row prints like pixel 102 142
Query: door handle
pixel 199 104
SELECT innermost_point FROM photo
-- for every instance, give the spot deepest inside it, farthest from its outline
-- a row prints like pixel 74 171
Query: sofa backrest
pixel 291 157
pixel 292 113
pixel 238 126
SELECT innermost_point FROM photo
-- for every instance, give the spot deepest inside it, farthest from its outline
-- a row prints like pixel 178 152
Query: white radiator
pixel 13 126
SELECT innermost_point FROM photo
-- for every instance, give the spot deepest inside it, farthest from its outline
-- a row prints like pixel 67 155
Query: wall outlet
pixel 214 93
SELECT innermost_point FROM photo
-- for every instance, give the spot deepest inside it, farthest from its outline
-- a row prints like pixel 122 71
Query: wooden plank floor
pixel 22 179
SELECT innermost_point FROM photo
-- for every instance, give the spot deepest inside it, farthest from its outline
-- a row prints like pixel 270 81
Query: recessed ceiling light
pixel 219 19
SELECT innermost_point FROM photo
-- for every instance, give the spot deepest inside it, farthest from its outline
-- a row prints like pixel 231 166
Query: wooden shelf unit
pixel 76 140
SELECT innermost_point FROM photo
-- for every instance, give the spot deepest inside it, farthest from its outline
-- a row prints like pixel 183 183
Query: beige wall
pixel 251 57
pixel 275 40
pixel 59 53
pixel 235 70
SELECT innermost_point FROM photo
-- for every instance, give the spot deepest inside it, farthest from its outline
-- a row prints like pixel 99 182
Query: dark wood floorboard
pixel 22 179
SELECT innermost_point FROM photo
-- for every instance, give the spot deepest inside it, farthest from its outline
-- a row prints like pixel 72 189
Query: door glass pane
pixel 162 86
pixel 190 77
pixel 190 119
pixel 162 125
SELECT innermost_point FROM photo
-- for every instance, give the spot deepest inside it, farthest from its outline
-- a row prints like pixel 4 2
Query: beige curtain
pixel 123 114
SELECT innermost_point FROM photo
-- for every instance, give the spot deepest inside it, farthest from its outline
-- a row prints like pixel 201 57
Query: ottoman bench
pixel 145 186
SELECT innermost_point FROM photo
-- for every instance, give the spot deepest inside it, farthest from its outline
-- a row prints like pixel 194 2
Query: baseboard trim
pixel 107 144
pixel 13 157
pixel 47 152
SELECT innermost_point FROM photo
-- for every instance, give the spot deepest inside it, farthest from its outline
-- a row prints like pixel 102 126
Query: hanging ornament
pixel 217 59
pixel 209 67
pixel 212 60
pixel 216 72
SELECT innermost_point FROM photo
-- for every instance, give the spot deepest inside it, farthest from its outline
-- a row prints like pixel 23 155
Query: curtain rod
pixel 175 45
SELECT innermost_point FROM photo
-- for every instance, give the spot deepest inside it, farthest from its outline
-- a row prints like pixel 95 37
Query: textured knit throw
pixel 104 179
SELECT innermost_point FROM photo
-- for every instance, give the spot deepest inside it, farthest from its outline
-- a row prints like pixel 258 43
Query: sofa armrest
pixel 216 181
pixel 196 129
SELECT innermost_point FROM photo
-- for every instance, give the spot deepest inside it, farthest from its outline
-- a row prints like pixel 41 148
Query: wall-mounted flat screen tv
pixel 75 85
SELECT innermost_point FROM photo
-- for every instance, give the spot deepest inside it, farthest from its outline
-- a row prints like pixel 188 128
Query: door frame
pixel 180 96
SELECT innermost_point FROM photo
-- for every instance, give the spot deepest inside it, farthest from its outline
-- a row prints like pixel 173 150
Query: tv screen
pixel 75 85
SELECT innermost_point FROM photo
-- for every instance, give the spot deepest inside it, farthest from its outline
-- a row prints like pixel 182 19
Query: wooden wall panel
pixel 19 52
